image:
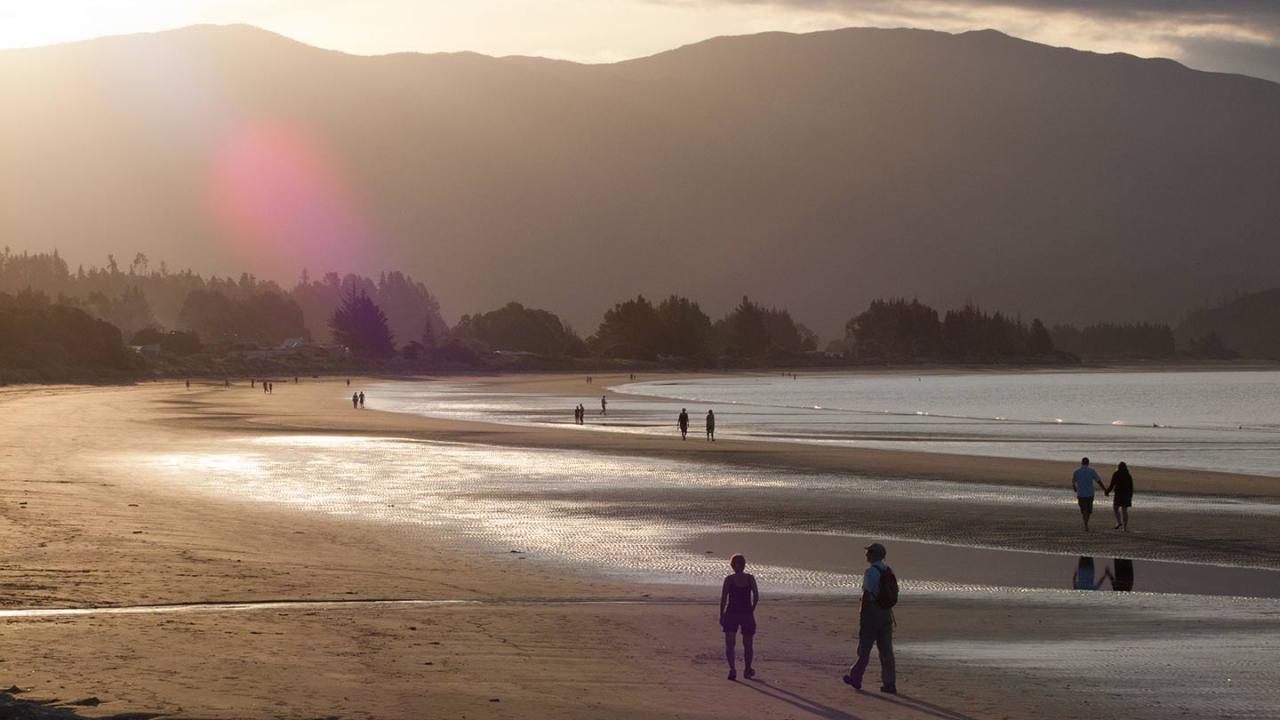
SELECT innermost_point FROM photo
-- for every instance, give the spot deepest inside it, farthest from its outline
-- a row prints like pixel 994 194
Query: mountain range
pixel 813 171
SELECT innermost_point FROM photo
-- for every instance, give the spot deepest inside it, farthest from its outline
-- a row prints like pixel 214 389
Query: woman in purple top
pixel 738 598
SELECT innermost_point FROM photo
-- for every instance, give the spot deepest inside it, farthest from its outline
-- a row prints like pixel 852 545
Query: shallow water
pixel 531 500
pixel 1227 421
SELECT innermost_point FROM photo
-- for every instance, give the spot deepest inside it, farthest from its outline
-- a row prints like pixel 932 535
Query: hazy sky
pixel 1229 35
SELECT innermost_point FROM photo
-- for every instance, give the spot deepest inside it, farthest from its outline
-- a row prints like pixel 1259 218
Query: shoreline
pixel 902 464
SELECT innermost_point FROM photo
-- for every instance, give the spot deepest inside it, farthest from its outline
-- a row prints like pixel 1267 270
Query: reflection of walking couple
pixel 1121 579
pixel 1084 480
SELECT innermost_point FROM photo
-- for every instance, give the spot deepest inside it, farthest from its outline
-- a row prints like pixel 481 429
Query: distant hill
pixel 1249 325
pixel 812 171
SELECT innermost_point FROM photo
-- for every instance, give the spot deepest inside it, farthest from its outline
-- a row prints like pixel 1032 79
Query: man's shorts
pixel 733 621
pixel 1086 504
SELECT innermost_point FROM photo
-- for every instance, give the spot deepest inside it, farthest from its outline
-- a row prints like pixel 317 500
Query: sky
pixel 1241 36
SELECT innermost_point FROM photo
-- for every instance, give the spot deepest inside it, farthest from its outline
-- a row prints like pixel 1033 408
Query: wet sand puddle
pixel 532 500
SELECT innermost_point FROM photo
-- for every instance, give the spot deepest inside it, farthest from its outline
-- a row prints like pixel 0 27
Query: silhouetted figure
pixel 738 599
pixel 226 382
pixel 682 422
pixel 271 388
pixel 604 405
pixel 295 379
pixel 875 621
pixel 1122 580
pixel 577 414
pixel 348 382
pixel 588 379
pixel 361 398
pixel 355 401
pixel 1083 579
pixel 188 384
pixel 264 387
pixel 253 383
pixel 711 425
pixel 1083 480
pixel 1122 484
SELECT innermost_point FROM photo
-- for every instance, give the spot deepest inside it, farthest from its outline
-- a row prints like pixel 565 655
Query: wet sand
pixel 81 531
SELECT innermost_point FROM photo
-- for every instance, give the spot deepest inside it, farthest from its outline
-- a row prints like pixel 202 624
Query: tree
pixel 360 324
pixel 683 329
pixel 743 332
pixel 629 330
pixel 515 327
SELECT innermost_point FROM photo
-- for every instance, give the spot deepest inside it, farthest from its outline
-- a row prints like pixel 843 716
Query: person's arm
pixel 724 597
pixel 1107 490
pixel 755 594
pixel 1098 479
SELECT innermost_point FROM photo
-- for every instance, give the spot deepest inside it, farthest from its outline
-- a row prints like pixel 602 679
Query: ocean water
pixel 1227 420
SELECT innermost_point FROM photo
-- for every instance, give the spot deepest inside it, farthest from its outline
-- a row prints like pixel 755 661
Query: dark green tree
pixel 629 330
pixel 360 324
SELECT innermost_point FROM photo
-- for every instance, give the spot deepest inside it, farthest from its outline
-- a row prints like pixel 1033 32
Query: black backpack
pixel 888 595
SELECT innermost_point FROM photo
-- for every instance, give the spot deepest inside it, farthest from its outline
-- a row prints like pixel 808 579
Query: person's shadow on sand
pixel 920 706
pixel 799 702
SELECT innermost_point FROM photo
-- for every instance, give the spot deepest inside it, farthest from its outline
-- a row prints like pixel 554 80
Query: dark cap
pixel 877 551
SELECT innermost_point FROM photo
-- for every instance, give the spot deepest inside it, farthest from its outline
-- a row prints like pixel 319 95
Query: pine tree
pixel 361 325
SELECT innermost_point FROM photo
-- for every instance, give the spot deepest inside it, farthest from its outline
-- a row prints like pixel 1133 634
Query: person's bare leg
pixel 729 638
pixel 1125 521
pixel 1119 522
pixel 747 652
pixel 1084 515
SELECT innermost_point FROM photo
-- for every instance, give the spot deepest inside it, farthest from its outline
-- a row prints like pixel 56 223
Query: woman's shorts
pixel 733 621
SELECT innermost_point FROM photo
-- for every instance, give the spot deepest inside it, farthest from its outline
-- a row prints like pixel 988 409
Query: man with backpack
pixel 875 621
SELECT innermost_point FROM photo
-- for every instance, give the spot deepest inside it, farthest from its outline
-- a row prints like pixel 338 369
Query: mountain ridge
pixel 814 171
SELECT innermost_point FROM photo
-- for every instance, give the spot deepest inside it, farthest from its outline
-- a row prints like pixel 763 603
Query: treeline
pixel 224 312
pixel 1247 326
pixel 901 330
pixel 42 341
pixel 676 330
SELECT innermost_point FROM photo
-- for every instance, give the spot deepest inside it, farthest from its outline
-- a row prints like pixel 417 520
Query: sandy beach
pixel 244 608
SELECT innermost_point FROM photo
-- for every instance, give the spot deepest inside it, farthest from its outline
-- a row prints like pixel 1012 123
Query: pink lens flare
pixel 281 197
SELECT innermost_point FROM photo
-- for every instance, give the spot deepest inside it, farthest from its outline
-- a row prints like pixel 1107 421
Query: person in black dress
pixel 738 598
pixel 1122 485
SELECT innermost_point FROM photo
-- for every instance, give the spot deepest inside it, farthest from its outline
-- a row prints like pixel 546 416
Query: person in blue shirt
pixel 875 627
pixel 1083 480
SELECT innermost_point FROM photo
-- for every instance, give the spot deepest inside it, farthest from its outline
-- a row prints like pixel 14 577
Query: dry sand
pixel 534 642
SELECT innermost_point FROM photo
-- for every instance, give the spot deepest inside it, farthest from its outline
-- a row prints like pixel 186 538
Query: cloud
pixel 1241 36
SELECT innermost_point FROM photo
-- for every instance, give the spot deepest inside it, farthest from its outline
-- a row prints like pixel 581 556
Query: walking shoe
pixel 733 674
pixel 849 681
pixel 889 689
pixel 748 673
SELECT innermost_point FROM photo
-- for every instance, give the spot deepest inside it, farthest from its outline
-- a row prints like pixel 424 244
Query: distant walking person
pixel 355 401
pixel 604 405
pixel 188 384
pixel 1122 484
pixel 271 388
pixel 264 387
pixel 348 382
pixel 361 398
pixel 682 422
pixel 582 413
pixel 1083 480
pixel 711 425
pixel 875 621
pixel 738 599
